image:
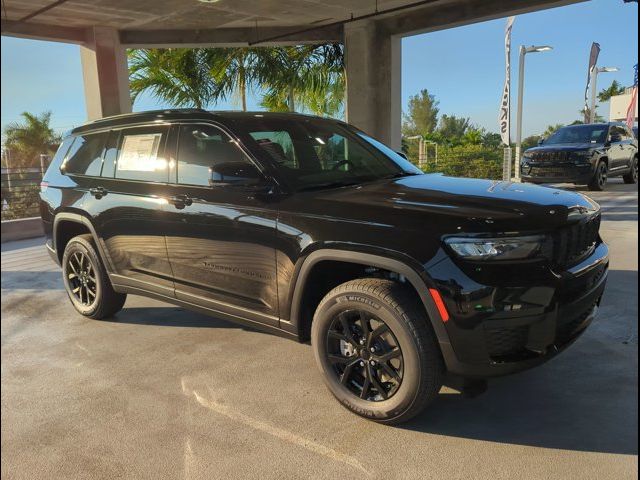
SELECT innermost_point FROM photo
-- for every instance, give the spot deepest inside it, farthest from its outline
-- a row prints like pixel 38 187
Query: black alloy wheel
pixel 86 280
pixel 365 355
pixel 599 178
pixel 632 176
pixel 81 276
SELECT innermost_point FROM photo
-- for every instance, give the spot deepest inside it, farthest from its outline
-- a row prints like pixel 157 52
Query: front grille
pixel 572 243
pixel 506 341
pixel 551 156
pixel 552 172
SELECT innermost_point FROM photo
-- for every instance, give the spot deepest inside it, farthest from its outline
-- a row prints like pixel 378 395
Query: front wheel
pixel 599 179
pixel 632 176
pixel 378 353
pixel 86 280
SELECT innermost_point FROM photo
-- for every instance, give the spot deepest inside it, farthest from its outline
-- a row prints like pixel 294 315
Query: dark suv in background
pixel 583 154
pixel 311 229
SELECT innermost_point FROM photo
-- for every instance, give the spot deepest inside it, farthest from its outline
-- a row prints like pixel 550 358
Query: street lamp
pixel 523 51
pixel 594 81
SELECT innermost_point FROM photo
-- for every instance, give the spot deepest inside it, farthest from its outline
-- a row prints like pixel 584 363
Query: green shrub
pixel 474 161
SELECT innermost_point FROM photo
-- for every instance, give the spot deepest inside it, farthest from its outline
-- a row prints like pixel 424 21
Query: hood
pixel 563 147
pixel 470 204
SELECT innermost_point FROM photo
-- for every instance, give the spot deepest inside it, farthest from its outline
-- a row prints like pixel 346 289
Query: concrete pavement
pixel 160 392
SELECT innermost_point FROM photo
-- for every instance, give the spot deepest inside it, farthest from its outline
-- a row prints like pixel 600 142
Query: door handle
pixel 180 201
pixel 98 192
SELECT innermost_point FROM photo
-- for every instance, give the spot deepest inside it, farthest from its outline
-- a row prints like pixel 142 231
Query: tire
pixel 599 179
pixel 419 366
pixel 86 280
pixel 632 176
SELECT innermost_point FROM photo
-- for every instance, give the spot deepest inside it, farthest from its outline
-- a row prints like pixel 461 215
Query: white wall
pixel 618 107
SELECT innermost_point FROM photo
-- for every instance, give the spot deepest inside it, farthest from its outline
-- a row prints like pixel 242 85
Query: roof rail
pixel 147 112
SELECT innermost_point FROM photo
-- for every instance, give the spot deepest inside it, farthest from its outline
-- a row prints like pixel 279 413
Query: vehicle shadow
pixel 170 316
pixel 585 399
pixel 31 280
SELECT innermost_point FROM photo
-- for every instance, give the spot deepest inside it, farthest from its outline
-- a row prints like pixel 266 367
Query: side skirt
pixel 241 320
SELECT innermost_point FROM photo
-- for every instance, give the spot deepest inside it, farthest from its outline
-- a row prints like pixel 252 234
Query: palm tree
pixel 179 76
pixel 551 129
pixel 30 138
pixel 235 70
pixel 310 75
pixel 614 89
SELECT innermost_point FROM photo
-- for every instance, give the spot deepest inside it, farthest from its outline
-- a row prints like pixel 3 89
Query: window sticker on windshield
pixel 140 153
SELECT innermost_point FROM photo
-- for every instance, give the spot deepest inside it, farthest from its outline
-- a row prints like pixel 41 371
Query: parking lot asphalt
pixel 160 392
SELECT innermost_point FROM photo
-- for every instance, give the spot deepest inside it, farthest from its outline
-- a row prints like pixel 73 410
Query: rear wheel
pixel 599 179
pixel 376 349
pixel 632 176
pixel 86 280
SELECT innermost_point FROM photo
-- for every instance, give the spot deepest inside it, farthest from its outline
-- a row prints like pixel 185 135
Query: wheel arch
pixel 297 322
pixel 83 225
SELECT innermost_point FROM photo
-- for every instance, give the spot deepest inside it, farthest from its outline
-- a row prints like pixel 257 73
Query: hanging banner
pixel 505 103
pixel 593 60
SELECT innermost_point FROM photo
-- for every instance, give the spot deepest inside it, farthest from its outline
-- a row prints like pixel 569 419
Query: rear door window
pixel 140 154
pixel 85 155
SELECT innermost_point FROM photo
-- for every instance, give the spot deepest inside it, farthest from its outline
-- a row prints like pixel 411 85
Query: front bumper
pixel 579 174
pixel 495 331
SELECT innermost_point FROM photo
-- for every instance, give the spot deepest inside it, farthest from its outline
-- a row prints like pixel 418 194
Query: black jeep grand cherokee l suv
pixel 311 229
pixel 583 154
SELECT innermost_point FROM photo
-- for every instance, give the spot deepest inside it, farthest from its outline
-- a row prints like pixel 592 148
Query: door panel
pixel 130 213
pixel 221 237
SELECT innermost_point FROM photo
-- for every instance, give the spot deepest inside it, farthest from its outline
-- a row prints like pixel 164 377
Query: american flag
pixel 631 111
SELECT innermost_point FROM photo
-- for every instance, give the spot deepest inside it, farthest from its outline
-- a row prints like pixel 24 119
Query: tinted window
pixel 579 134
pixel 279 145
pixel 204 150
pixel 85 155
pixel 110 154
pixel 62 151
pixel 617 134
pixel 141 154
pixel 315 153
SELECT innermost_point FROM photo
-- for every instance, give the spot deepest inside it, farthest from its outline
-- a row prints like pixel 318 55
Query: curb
pixel 21 229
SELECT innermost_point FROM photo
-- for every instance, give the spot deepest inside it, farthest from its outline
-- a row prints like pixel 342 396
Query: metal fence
pixel 20 189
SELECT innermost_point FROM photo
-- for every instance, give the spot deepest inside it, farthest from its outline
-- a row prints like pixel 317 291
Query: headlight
pixel 504 248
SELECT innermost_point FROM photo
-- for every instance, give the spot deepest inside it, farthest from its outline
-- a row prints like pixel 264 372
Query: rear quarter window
pixel 85 155
pixel 60 155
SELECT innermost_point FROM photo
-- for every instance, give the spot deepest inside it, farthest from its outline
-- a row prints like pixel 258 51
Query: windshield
pixel 579 134
pixel 315 153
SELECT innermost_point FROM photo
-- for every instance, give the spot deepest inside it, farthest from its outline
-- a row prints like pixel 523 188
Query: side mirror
pixel 235 173
pixel 402 154
pixel 541 141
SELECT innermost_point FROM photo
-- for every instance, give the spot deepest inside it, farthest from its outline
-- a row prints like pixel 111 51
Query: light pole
pixel 594 81
pixel 523 51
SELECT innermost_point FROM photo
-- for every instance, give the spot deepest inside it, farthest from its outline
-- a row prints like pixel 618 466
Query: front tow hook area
pixel 468 387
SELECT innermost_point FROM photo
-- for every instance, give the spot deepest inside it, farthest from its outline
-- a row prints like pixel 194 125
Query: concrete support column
pixel 105 73
pixel 373 64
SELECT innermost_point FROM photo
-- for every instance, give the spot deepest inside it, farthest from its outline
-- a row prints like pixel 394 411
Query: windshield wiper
pixel 322 186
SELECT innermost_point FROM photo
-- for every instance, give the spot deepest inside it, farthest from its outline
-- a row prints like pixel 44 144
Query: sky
pixel 462 67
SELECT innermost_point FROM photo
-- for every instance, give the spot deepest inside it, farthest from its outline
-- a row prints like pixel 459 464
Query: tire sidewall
pixel 81 245
pixel 405 396
pixel 602 172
